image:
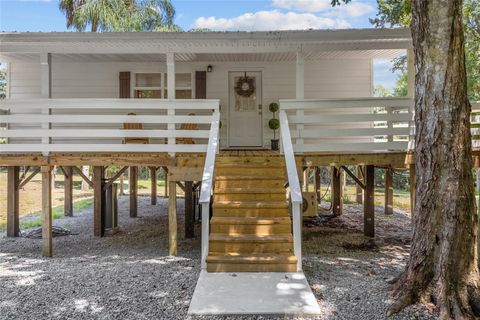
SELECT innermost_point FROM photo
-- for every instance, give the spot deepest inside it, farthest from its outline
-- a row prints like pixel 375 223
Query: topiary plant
pixel 274 124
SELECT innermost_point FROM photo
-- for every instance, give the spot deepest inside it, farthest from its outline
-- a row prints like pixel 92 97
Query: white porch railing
pixel 357 125
pixel 294 183
pixel 97 125
pixel 349 125
pixel 207 184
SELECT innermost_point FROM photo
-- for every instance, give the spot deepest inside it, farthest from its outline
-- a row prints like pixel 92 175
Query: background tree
pixel 443 266
pixel 398 13
pixel 119 15
pixel 3 81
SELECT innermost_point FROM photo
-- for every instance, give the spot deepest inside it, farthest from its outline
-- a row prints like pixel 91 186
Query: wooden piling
pixel 359 189
pixel 13 202
pixel 47 211
pixel 68 189
pixel 165 175
pixel 318 183
pixel 189 212
pixel 153 190
pixel 133 187
pixel 98 181
pixel 369 202
pixel 388 191
pixel 413 185
pixel 337 206
pixel 172 218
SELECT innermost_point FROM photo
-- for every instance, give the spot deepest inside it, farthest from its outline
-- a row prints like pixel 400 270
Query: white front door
pixel 245 109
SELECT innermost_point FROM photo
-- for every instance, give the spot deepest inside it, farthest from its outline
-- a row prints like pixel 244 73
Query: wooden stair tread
pixel 250 190
pixel 251 238
pixel 250 220
pixel 250 204
pixel 222 177
pixel 251 258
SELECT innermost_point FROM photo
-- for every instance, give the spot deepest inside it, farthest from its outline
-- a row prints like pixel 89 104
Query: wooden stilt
pixel 369 202
pixel 189 212
pixel 165 175
pixel 153 180
pixel 305 179
pixel 413 185
pixel 172 218
pixel 133 175
pixel 388 191
pixel 98 178
pixel 318 183
pixel 68 188
pixel 359 174
pixel 122 191
pixel 47 211
pixel 13 202
pixel 337 191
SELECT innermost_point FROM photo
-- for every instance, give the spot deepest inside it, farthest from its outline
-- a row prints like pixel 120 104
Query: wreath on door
pixel 245 86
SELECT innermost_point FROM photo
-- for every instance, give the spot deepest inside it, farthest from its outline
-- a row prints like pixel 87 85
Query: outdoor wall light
pixel 209 68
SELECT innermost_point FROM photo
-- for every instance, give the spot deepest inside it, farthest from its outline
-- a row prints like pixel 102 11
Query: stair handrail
pixel 207 184
pixel 294 183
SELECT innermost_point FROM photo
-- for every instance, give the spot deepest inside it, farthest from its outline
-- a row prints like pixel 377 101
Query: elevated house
pixel 197 104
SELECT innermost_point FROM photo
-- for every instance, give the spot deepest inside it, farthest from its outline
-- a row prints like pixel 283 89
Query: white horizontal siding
pixel 329 78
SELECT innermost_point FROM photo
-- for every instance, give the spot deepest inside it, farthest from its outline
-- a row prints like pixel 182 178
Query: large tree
pixel 119 15
pixel 443 265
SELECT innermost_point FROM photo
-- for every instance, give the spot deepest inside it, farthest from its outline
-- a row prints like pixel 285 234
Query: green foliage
pixel 274 124
pixel 3 81
pixel 381 91
pixel 273 107
pixel 119 15
pixel 397 13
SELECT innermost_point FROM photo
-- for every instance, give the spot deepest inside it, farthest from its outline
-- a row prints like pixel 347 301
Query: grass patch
pixel 57 213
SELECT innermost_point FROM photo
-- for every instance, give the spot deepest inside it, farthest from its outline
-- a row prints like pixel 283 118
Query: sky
pixel 220 15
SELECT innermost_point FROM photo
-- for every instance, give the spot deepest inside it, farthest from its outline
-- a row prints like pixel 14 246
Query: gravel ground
pixel 130 275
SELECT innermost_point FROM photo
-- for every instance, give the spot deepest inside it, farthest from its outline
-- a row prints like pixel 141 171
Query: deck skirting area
pixel 246 293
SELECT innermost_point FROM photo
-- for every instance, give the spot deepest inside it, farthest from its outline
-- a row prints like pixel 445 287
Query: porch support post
pixel 413 186
pixel 153 180
pixel 46 211
pixel 133 176
pixel 410 74
pixel 388 191
pixel 13 202
pixel 171 92
pixel 300 77
pixel 359 174
pixel 189 212
pixel 98 180
pixel 172 218
pixel 318 183
pixel 46 87
pixel 369 202
pixel 68 189
pixel 337 205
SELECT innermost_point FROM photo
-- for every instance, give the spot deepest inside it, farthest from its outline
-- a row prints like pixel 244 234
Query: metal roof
pixel 310 42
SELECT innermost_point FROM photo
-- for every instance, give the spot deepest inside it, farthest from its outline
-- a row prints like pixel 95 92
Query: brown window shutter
pixel 200 85
pixel 124 78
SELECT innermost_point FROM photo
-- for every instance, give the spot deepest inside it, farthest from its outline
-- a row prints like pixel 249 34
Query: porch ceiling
pixel 208 43
pixel 205 57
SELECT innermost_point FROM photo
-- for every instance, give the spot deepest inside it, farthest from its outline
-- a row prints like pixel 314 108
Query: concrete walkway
pixel 272 293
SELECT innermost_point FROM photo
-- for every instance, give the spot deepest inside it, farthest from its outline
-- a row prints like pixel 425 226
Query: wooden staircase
pixel 251 225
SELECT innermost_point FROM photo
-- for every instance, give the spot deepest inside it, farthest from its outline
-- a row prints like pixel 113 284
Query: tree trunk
pixel 443 264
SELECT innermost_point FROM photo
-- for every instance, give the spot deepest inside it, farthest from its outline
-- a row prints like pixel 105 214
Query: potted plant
pixel 274 124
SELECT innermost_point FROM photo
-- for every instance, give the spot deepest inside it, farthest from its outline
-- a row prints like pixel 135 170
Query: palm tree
pixel 119 15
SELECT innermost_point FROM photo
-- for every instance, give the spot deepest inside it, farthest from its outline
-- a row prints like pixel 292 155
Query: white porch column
pixel 171 89
pixel 46 86
pixel 299 91
pixel 300 77
pixel 410 74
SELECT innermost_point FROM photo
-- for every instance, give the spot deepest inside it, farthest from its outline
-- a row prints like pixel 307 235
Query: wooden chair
pixel 134 126
pixel 186 126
